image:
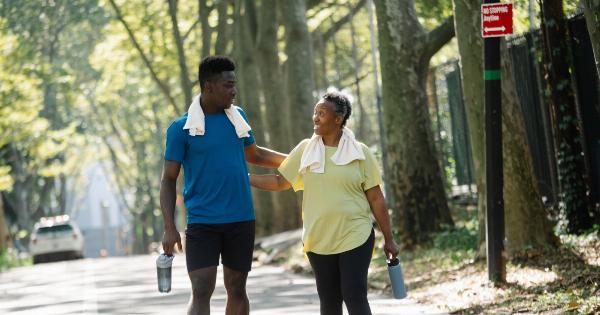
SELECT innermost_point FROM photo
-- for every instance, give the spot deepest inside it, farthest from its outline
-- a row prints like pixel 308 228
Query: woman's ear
pixel 339 120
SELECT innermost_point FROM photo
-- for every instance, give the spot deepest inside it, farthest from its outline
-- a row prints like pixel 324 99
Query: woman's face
pixel 325 120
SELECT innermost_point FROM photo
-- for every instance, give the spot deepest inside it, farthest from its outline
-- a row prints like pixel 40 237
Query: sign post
pixel 496 21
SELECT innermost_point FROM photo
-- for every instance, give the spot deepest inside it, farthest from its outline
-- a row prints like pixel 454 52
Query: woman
pixel 341 183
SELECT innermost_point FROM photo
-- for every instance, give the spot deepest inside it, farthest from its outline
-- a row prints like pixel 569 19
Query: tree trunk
pixel 417 192
pixel 203 13
pixel 276 100
pixel 527 225
pixel 320 46
pixel 300 87
pixel 249 84
pixel 286 211
pixel 361 126
pixel 567 131
pixel 222 28
pixel 467 21
pixel 592 19
pixel 4 236
pixel 184 77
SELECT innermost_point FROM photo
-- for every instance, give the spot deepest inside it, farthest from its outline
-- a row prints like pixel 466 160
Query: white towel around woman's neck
pixel 313 157
pixel 195 120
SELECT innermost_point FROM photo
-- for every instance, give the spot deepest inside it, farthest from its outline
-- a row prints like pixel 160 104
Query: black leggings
pixel 343 277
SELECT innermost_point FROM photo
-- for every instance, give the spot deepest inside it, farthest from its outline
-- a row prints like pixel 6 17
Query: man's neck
pixel 208 107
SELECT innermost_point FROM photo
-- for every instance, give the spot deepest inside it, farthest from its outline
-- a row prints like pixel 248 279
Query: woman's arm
pixel 377 203
pixel 270 182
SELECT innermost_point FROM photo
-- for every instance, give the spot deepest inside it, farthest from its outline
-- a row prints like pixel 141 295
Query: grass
pixel 9 259
pixel 446 274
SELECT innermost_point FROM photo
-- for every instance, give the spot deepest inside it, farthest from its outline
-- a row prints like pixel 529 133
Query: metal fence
pixel 525 55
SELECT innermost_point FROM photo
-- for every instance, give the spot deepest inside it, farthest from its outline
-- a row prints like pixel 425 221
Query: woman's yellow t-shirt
pixel 335 209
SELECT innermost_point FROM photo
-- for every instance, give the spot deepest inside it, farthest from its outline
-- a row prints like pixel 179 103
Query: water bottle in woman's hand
pixel 397 278
pixel 163 272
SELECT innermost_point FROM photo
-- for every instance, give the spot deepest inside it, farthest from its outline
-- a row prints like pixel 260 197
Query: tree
pixel 527 224
pixel 249 95
pixel 186 85
pixel 299 67
pixel 592 18
pixel 277 109
pixel 567 130
pixel 467 21
pixel 418 198
pixel 53 42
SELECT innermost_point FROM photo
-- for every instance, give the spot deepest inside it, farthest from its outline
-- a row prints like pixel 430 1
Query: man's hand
pixel 391 250
pixel 170 237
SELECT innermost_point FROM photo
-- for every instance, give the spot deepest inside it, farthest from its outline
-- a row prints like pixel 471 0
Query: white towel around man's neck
pixel 313 157
pixel 195 120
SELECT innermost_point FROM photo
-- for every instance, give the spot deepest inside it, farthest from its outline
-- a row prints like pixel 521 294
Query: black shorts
pixel 234 242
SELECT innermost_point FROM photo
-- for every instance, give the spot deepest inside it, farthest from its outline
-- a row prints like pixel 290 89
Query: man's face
pixel 222 89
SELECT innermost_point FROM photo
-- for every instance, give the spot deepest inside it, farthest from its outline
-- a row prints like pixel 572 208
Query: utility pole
pixel 494 223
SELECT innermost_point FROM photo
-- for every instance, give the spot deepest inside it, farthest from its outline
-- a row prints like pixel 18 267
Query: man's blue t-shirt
pixel 216 185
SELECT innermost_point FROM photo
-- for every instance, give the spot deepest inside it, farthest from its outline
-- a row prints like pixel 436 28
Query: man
pixel 212 145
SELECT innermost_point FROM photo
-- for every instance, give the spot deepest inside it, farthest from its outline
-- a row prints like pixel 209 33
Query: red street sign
pixel 496 19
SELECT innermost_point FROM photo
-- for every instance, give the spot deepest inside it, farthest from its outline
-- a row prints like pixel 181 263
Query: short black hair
pixel 212 66
pixel 342 104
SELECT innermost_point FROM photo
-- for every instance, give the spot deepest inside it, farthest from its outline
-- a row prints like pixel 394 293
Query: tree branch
pixel 338 24
pixel 187 33
pixel 184 76
pixel 161 85
pixel 312 3
pixel 438 37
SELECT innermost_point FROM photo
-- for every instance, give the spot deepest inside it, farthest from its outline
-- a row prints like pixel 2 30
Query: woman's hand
pixel 391 249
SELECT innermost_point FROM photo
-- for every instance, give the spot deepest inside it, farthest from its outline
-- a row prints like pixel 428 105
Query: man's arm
pixel 263 157
pixel 270 182
pixel 168 195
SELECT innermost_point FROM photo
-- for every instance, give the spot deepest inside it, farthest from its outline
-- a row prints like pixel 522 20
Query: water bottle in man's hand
pixel 397 278
pixel 163 272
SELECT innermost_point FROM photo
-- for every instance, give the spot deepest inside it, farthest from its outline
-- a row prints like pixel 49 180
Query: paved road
pixel 127 285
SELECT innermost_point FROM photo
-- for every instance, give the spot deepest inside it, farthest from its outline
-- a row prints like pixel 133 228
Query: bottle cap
pixel 393 262
pixel 164 261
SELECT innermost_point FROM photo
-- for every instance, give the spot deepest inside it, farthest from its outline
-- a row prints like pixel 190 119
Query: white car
pixel 55 238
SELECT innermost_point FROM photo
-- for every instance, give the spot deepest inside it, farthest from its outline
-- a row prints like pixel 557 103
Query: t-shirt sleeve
pixel 289 167
pixel 176 143
pixel 371 173
pixel 247 140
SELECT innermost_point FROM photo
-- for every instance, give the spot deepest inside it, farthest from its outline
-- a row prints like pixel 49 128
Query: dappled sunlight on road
pixel 127 285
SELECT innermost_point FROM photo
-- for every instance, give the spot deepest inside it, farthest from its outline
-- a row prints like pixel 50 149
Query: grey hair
pixel 342 104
